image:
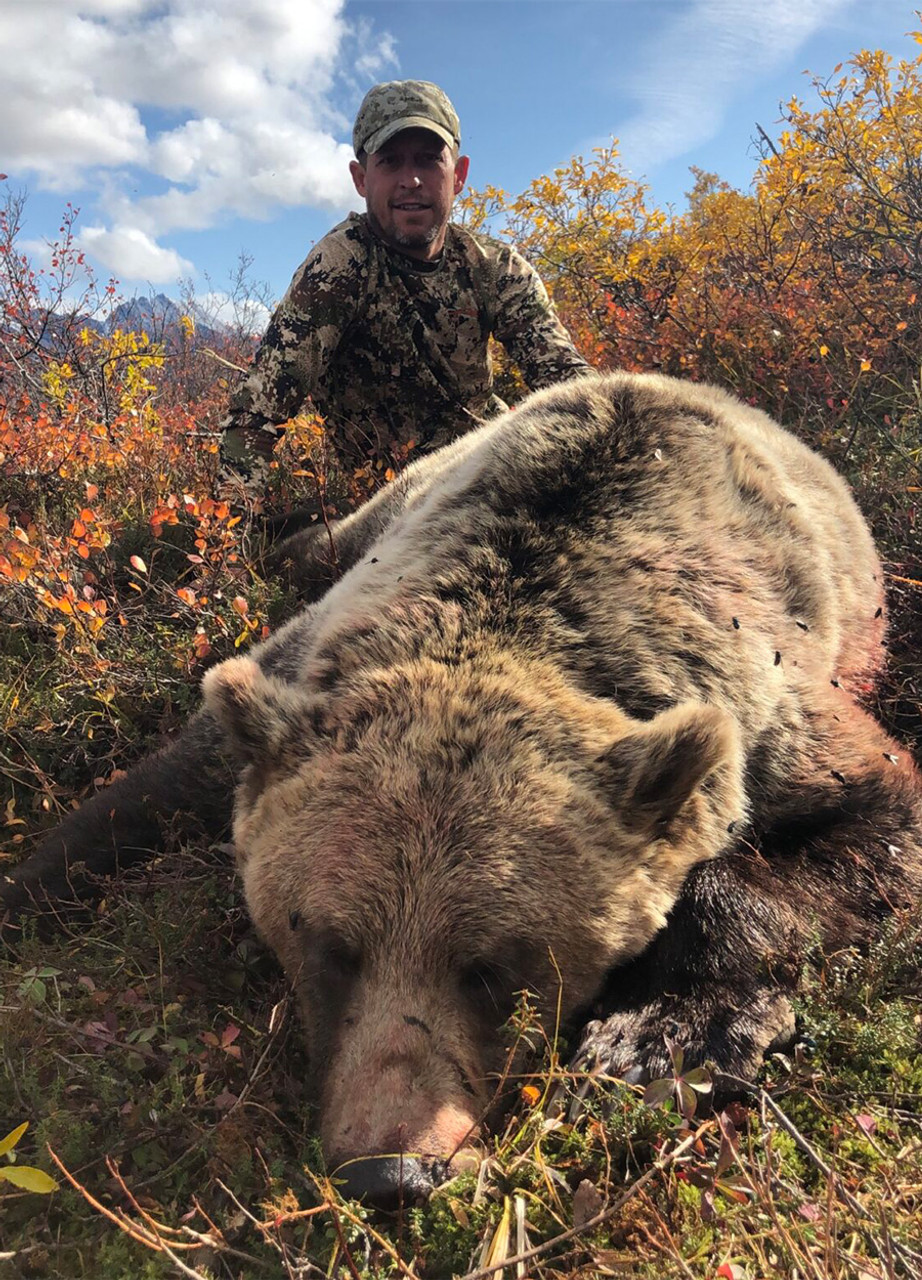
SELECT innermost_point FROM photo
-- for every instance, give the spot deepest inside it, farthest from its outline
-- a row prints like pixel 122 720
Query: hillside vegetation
pixel 151 1047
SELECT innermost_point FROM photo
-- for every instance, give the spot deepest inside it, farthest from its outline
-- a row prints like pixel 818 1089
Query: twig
pixel 485 1273
pixel 162 1246
pixel 80 1033
pixel 906 1254
pixel 140 1234
pixel 324 1186
pixel 767 140
pixel 673 1253
pixel 228 364
pixel 344 1248
pixel 275 1030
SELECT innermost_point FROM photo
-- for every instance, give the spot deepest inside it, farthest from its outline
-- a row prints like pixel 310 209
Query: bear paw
pixel 632 1045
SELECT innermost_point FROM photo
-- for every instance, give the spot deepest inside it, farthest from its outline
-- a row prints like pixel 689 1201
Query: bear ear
pixel 653 772
pixel 258 713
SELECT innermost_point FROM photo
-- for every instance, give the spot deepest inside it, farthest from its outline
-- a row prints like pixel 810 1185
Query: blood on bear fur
pixel 578 717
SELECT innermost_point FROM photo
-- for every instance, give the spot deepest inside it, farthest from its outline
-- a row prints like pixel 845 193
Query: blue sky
pixel 189 131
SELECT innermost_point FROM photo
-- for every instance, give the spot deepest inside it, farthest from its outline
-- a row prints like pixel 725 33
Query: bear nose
pixel 386 1182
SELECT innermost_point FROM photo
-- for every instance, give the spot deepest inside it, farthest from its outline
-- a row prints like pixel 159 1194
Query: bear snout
pixel 397 1117
pixel 387 1182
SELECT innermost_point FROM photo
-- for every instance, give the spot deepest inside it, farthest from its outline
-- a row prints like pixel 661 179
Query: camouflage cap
pixel 389 108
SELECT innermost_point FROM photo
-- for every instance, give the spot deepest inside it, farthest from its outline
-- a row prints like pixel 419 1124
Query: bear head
pixel 424 846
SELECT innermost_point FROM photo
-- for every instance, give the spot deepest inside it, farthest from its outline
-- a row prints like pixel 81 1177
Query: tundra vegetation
pixel 151 1047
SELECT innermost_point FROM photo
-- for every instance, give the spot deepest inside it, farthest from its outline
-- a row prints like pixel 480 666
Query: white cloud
pixel 130 254
pixel 177 114
pixel 221 309
pixel 696 66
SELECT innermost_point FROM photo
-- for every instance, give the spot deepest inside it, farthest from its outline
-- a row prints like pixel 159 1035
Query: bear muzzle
pixel 387 1182
pixel 398 1116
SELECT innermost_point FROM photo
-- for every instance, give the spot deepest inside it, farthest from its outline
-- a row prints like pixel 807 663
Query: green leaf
pixel 658 1091
pixel 699 1079
pixel 688 1103
pixel 9 1142
pixel 22 1175
pixel 32 989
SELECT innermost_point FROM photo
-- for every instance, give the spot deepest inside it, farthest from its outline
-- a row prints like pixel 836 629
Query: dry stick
pixel 82 1034
pixel 228 364
pixel 340 1207
pixel 215 1242
pixel 274 1033
pixel 151 1239
pixel 140 1234
pixel 674 1255
pixel 662 1163
pixel 906 1254
pixel 242 1207
pixel 217 1233
pixel 161 1245
pixel 344 1248
pixel 270 1230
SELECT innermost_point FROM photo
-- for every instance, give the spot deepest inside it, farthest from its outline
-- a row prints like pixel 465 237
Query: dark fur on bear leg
pixel 716 980
pixel 185 787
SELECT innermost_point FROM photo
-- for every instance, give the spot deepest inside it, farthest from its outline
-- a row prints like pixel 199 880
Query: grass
pixel 174 1103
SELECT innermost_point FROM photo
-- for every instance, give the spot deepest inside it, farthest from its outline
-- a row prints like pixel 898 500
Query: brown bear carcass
pixel 578 717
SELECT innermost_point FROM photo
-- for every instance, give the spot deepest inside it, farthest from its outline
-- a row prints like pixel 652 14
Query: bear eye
pixel 340 958
pixel 485 986
pixel 294 919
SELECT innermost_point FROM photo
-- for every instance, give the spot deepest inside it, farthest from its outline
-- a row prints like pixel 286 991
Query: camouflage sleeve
pixel 530 329
pixel 301 339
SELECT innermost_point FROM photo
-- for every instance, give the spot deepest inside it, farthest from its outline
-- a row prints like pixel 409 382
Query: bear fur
pixel 579 714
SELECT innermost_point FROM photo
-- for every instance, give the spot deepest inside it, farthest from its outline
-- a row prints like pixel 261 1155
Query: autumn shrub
pixel 123 568
pixel 801 294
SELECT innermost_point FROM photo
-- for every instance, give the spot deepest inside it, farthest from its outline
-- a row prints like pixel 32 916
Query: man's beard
pixel 405 239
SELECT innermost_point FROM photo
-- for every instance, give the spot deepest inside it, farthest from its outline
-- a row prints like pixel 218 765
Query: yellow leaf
pixel 9 1142
pixel 865 366
pixel 137 563
pixel 29 1179
pixel 824 350
pixel 496 1252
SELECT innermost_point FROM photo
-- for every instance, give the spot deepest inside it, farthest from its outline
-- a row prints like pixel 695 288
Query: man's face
pixel 409 186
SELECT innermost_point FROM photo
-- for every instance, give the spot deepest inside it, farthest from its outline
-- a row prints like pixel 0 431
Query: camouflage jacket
pixel 394 352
